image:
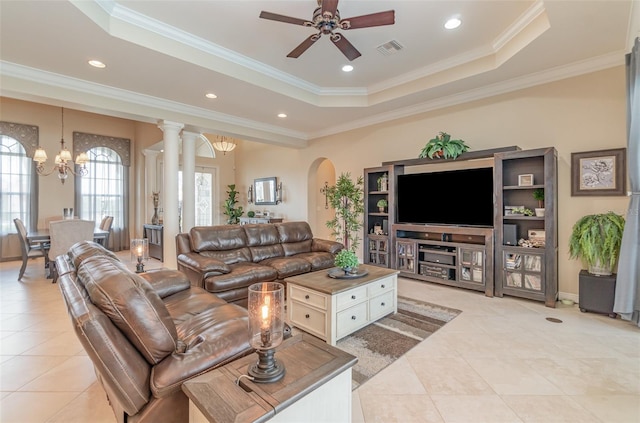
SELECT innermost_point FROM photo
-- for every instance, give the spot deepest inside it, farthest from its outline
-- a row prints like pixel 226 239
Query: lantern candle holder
pixel 139 252
pixel 266 329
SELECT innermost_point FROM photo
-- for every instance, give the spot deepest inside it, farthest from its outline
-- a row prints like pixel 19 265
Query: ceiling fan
pixel 326 19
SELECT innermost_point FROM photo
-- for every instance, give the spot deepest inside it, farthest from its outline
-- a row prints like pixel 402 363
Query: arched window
pixel 15 177
pixel 104 190
pixel 18 189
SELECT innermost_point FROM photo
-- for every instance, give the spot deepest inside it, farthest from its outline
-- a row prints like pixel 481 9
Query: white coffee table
pixel 334 308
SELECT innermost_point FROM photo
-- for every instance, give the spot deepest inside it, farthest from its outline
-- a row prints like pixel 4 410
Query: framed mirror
pixel 264 190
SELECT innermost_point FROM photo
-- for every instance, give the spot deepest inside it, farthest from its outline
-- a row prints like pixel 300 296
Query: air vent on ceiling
pixel 390 47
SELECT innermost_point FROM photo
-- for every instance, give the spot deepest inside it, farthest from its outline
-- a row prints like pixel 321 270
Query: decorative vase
pixel 154 218
pixel 381 209
pixel 539 212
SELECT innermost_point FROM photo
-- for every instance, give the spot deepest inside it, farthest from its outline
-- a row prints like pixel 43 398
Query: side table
pixel 315 388
pixel 597 293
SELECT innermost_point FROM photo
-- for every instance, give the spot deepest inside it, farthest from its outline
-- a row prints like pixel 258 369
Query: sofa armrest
pixel 166 281
pixel 332 247
pixel 203 264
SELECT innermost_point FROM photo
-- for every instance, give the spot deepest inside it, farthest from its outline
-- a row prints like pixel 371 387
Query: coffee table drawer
pixel 351 319
pixel 310 319
pixel 351 297
pixel 379 287
pixel 381 305
pixel 307 296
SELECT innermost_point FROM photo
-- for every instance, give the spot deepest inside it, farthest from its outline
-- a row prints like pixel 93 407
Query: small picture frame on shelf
pixel 537 237
pixel 511 210
pixel 525 180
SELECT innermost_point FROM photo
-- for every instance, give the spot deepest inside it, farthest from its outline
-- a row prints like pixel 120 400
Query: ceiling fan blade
pixel 329 6
pixel 282 18
pixel 366 21
pixel 296 52
pixel 345 46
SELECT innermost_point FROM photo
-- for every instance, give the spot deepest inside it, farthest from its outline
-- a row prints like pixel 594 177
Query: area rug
pixel 384 341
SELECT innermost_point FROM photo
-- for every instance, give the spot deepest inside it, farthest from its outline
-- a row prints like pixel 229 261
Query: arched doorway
pixel 321 171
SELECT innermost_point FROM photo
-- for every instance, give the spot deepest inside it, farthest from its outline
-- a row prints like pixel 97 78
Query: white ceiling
pixel 163 56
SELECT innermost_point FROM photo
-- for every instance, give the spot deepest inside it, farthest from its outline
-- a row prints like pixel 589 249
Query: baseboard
pixel 568 296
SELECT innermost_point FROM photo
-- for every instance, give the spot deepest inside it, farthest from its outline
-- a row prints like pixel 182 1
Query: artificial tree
pixel 346 197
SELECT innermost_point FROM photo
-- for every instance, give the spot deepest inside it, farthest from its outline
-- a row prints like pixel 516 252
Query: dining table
pixel 43 237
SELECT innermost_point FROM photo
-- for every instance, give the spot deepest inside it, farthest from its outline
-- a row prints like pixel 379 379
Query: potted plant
pixel 251 213
pixel 596 239
pixel 442 146
pixel 346 260
pixel 538 194
pixel 382 204
pixel 230 206
pixel 346 197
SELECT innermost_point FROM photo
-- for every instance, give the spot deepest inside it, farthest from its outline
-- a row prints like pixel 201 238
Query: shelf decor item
pixel 599 172
pixel 383 183
pixel 266 330
pixel 139 253
pixel 156 202
pixel 596 239
pixel 525 180
pixel 443 147
pixel 538 195
pixel 382 204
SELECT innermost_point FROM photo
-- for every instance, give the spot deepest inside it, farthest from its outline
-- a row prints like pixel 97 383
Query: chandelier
pixel 63 163
pixel 224 144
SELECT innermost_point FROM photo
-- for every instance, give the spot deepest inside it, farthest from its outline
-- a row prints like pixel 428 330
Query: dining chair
pixel 64 234
pixel 29 249
pixel 105 225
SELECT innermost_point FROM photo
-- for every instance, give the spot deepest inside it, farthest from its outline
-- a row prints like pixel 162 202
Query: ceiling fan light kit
pixel 326 19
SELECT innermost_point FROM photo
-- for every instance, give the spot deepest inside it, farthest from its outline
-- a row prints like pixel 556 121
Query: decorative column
pixel 170 199
pixel 188 179
pixel 151 183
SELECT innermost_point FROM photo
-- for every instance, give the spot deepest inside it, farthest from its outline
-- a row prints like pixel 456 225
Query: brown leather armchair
pixel 147 333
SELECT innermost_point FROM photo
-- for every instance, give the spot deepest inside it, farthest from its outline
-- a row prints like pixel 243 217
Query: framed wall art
pixel 525 180
pixel 601 172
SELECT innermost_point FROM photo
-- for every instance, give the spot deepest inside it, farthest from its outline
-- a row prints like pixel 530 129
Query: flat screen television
pixel 458 197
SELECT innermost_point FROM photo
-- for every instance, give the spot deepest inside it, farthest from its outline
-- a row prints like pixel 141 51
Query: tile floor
pixel 499 361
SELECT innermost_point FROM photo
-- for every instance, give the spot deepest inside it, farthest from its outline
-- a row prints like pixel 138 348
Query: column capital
pixel 167 124
pixel 190 136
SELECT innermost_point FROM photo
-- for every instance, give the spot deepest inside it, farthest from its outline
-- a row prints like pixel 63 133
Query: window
pixel 17 182
pixel 102 190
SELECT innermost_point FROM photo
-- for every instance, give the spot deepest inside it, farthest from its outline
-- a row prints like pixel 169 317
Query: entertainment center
pixel 457 227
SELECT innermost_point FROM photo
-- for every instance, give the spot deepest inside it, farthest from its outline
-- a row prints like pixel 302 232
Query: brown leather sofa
pixel 147 333
pixel 226 259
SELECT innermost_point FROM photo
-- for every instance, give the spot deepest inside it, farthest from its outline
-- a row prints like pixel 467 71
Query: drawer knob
pixel 306 316
pixel 306 297
pixel 353 317
pixel 382 304
pixel 382 286
pixel 353 297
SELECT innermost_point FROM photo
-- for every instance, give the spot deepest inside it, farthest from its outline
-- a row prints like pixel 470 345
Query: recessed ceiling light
pixel 97 64
pixel 211 95
pixel 347 68
pixel 282 115
pixel 452 23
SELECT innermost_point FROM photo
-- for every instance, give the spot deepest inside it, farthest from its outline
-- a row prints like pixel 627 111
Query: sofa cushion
pixel 288 266
pixel 133 306
pixel 296 237
pixel 242 275
pixel 318 259
pixel 85 249
pixel 217 238
pixel 264 242
pixel 229 256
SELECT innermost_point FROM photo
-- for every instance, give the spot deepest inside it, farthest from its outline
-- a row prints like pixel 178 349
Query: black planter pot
pixel 597 293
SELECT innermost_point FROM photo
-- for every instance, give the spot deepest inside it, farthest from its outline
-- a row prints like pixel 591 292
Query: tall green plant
pixel 596 239
pixel 346 197
pixel 230 208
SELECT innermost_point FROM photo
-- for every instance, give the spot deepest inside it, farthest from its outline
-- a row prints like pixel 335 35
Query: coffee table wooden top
pixel 321 281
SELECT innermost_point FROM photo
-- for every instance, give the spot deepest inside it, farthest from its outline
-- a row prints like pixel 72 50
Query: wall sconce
pixel 266 329
pixel 325 191
pixel 139 252
pixel 250 195
pixel 279 193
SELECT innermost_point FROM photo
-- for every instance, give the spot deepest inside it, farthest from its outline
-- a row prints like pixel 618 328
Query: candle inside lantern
pixel 265 330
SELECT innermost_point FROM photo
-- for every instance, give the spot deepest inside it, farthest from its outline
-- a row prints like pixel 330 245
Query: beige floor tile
pixel 33 407
pixel 90 406
pixel 400 409
pixel 19 342
pixel 612 408
pixel 357 415
pixel 549 409
pixel 510 376
pixel 65 343
pixel 449 376
pixel 474 409
pixel 20 370
pixel 74 374
pixel 397 379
